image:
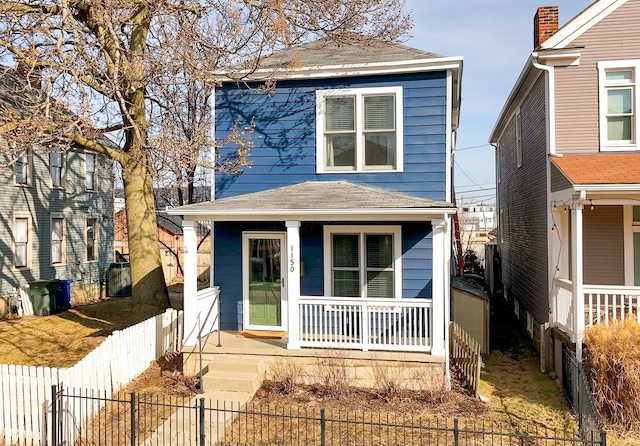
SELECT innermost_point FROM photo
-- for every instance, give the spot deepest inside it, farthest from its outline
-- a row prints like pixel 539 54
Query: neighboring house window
pixel 618 104
pixel 359 129
pixel 363 261
pixel 22 242
pixel 90 171
pixel 56 164
pixel 22 168
pixel 57 239
pixel 92 239
pixel 519 139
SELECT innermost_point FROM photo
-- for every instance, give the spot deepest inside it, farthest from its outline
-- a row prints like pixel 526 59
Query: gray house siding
pixel 39 202
pixel 558 180
pixel 615 37
pixel 523 206
pixel 603 245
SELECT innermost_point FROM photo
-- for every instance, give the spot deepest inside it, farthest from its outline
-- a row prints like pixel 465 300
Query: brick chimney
pixel 545 24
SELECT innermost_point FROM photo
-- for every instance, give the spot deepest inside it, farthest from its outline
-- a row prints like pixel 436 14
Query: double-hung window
pixel 57 239
pixel 92 239
pixel 22 169
pixel 56 166
pixel 21 241
pixel 618 105
pixel 90 171
pixel 359 129
pixel 362 261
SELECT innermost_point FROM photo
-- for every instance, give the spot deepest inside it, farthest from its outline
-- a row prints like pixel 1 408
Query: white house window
pixel 92 239
pixel 359 129
pixel 90 171
pixel 22 170
pixel 363 261
pixel 21 237
pixel 618 105
pixel 56 163
pixel 57 240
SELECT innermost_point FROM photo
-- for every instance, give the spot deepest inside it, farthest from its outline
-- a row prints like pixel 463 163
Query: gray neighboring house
pixel 568 177
pixel 56 215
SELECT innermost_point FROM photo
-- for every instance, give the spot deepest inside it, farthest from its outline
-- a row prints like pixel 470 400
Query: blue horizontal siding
pixel 283 135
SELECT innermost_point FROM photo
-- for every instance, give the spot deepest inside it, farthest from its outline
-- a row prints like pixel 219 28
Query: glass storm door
pixel 263 281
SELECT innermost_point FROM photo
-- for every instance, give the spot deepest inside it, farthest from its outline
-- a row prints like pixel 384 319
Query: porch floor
pixel 234 343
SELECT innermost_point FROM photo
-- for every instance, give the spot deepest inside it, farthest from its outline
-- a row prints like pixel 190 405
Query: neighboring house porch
pixel 330 263
pixel 594 247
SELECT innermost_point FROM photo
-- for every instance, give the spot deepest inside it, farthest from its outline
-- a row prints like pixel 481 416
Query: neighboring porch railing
pixel 602 304
pixel 366 324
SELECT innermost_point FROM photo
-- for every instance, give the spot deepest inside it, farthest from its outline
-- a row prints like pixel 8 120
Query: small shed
pixel 470 309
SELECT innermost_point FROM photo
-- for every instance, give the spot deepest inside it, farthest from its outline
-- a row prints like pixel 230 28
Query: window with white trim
pixel 90 170
pixel 56 166
pixel 57 239
pixel 92 239
pixel 21 241
pixel 618 104
pixel 22 169
pixel 363 261
pixel 359 129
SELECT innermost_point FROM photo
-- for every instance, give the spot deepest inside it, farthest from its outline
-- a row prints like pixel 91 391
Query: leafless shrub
pixel 332 375
pixel 388 380
pixel 287 375
pixel 613 362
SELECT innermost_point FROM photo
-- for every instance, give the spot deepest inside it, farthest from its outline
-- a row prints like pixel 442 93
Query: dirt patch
pixel 165 377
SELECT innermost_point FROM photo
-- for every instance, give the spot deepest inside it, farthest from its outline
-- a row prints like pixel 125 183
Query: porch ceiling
pixel 600 168
pixel 318 200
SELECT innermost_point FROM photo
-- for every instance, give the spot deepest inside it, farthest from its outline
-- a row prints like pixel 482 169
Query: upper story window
pixel 56 166
pixel 90 171
pixel 22 169
pixel 618 104
pixel 359 130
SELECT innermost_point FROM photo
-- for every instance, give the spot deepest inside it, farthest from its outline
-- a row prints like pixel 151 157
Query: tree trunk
pixel 150 295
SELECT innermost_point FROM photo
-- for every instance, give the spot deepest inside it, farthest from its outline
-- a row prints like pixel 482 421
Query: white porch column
pixel 577 276
pixel 293 283
pixel 190 282
pixel 440 287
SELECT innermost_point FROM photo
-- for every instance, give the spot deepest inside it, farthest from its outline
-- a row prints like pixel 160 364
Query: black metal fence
pixel 82 418
pixel 576 386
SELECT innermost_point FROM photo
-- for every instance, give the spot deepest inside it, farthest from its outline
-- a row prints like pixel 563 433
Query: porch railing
pixel 602 304
pixel 366 324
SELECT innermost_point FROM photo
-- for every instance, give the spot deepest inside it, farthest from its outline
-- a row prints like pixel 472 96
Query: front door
pixel 264 281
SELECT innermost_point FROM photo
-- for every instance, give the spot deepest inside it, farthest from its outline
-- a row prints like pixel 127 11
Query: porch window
pixel 618 104
pixel 362 262
pixel 359 129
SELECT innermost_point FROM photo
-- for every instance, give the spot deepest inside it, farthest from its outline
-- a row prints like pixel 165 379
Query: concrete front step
pixel 234 374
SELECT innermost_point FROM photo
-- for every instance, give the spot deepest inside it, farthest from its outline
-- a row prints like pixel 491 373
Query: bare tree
pixel 118 65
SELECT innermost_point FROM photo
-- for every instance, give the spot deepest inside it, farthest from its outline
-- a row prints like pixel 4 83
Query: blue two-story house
pixel 339 232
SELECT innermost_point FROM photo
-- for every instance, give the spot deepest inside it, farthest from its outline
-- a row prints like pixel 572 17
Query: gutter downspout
pixel 550 103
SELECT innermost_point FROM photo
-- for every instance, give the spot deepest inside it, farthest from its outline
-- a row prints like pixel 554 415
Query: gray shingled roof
pixel 322 53
pixel 316 198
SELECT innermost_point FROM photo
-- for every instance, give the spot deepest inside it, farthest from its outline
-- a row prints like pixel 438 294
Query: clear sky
pixel 495 38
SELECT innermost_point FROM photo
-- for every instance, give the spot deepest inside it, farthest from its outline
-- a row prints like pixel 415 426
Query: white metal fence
pixel 367 324
pixel 112 365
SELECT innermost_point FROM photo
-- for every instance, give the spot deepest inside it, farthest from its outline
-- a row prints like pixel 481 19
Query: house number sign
pixel 292 262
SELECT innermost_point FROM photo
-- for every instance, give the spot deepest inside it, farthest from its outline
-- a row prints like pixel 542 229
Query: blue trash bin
pixel 64 297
